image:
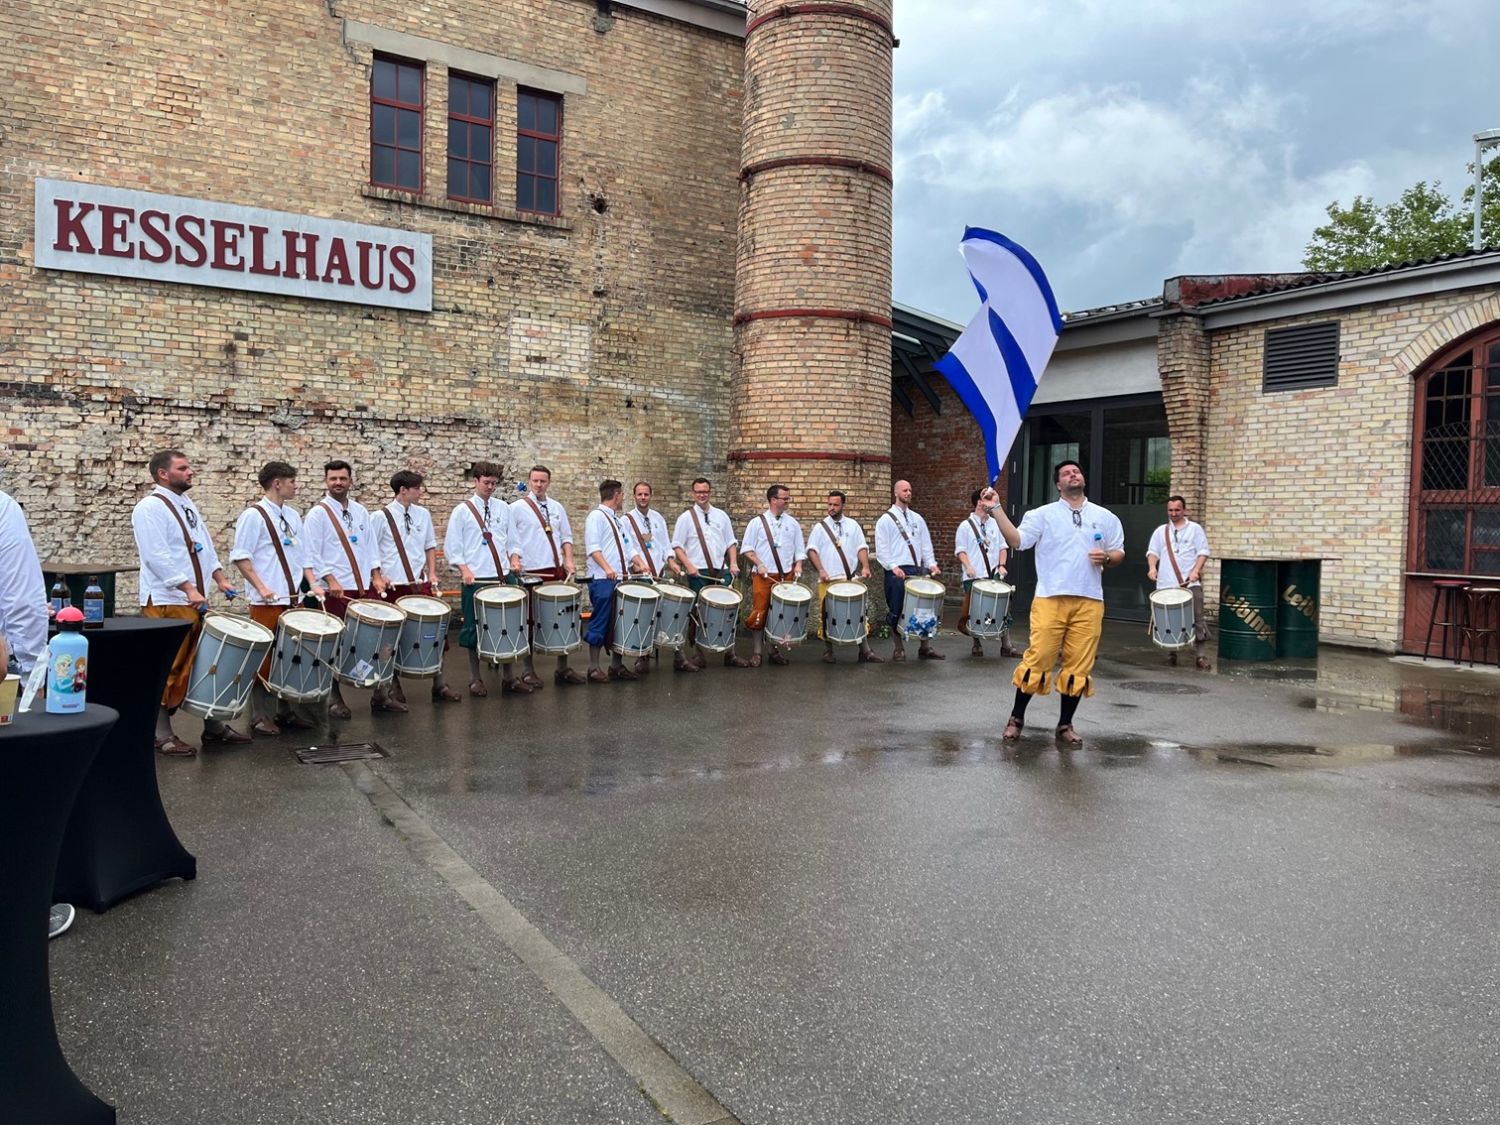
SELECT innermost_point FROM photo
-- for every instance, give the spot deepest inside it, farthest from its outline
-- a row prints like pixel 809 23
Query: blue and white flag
pixel 996 363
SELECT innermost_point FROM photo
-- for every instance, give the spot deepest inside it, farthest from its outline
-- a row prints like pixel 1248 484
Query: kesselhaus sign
pixel 90 228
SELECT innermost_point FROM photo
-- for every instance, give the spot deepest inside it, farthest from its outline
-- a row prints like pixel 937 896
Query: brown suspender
pixel 645 550
pixel 546 529
pixel 775 554
pixel 411 578
pixel 703 542
pixel 839 547
pixel 910 546
pixel 984 553
pixel 187 540
pixel 286 569
pixel 1166 545
pixel 359 582
pixel 619 546
pixel 487 536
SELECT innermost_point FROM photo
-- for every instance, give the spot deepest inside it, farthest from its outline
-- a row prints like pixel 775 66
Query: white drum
pixel 989 606
pixel 718 617
pixel 1172 620
pixel 500 623
pixel 635 619
pixel 420 652
pixel 367 648
pixel 786 619
pixel 922 609
pixel 225 665
pixel 672 613
pixel 307 642
pixel 555 607
pixel 846 615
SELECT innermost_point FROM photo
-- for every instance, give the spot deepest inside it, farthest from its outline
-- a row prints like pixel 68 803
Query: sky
pixel 1123 142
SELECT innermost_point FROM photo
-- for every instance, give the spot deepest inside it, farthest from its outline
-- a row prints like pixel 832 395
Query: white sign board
pixel 94 229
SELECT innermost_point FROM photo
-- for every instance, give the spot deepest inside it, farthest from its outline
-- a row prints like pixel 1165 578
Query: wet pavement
pixel 830 894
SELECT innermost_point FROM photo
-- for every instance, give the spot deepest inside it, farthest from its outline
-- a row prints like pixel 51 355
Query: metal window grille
pixel 1303 356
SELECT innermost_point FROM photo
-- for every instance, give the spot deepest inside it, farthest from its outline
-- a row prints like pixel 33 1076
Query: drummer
pixel 339 546
pixel 775 550
pixel 475 546
pixel 406 544
pixel 981 552
pixel 903 547
pixel 1185 562
pixel 704 542
pixel 268 553
pixel 176 552
pixel 541 545
pixel 839 552
pixel 650 528
pixel 614 552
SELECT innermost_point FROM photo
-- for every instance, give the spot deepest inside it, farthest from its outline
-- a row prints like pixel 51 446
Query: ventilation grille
pixel 1301 357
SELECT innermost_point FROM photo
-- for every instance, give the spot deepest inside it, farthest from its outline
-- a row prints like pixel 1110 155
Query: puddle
pixel 1325 757
pixel 1162 687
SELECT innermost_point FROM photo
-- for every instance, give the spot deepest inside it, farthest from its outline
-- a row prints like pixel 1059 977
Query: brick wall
pixel 599 342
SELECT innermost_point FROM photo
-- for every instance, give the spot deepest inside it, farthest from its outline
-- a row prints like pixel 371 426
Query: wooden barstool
pixel 1446 611
pixel 1480 624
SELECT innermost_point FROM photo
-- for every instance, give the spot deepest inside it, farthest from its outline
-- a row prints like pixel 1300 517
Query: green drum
pixel 1247 610
pixel 1297 607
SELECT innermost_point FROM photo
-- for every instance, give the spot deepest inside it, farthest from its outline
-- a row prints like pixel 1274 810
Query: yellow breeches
pixel 1065 627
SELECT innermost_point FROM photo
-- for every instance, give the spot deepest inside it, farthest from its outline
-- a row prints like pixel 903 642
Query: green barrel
pixel 1247 610
pixel 1297 607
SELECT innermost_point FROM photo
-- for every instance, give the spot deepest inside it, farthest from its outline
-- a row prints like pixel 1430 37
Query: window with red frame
pixel 471 138
pixel 396 89
pixel 538 140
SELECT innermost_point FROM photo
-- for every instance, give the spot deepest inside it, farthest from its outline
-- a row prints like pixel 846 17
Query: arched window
pixel 1456 474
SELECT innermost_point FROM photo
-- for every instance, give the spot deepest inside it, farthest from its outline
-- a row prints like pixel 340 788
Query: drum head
pixel 376 613
pixel 992 586
pixel 240 628
pixel 500 595
pixel 560 591
pixel 673 592
pixel 924 587
pixel 311 622
pixel 420 605
pixel 1171 597
pixel 637 591
pixel 720 595
pixel 791 592
pixel 846 590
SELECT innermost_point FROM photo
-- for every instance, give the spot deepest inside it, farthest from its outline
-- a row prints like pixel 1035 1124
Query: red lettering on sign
pixel 368 250
pixel 338 263
pixel 156 225
pixel 70 227
pixel 403 263
pixel 301 248
pixel 258 252
pixel 190 233
pixel 114 223
pixel 226 243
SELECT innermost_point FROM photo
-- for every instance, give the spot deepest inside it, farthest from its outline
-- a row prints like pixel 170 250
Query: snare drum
pixel 846 613
pixel 555 615
pixel 635 618
pixel 307 642
pixel 922 609
pixel 367 649
pixel 224 665
pixel 989 606
pixel 500 621
pixel 672 613
pixel 1172 621
pixel 786 620
pixel 718 617
pixel 420 650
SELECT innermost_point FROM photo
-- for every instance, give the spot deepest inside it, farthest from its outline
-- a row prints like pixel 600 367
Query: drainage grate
pixel 1161 687
pixel 343 752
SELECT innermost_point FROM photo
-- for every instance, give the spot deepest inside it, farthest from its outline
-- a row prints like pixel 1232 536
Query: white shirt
pixel 23 594
pixel 599 535
pixel 165 561
pixel 851 537
pixel 324 551
pixel 253 542
pixel 418 541
pixel 786 536
pixel 1062 547
pixel 653 536
pixel 717 529
pixel 529 540
pixel 983 549
pixel 1188 543
pixel 464 545
pixel 891 548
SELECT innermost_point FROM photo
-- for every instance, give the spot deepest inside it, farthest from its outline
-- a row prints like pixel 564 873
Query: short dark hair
pixel 774 489
pixel 487 469
pixel 974 497
pixel 540 469
pixel 1061 465
pixel 274 471
pixel 609 489
pixel 336 466
pixel 1176 500
pixel 405 478
pixel 162 461
pixel 840 495
pixel 702 480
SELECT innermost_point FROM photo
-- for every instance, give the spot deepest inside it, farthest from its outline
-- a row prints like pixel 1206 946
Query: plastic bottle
pixel 67 673
pixel 93 604
pixel 61 599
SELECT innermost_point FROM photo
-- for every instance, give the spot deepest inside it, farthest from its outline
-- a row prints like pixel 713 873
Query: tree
pixel 1422 224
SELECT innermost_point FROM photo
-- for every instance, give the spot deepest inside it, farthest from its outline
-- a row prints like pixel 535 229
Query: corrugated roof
pixel 1121 308
pixel 1308 280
